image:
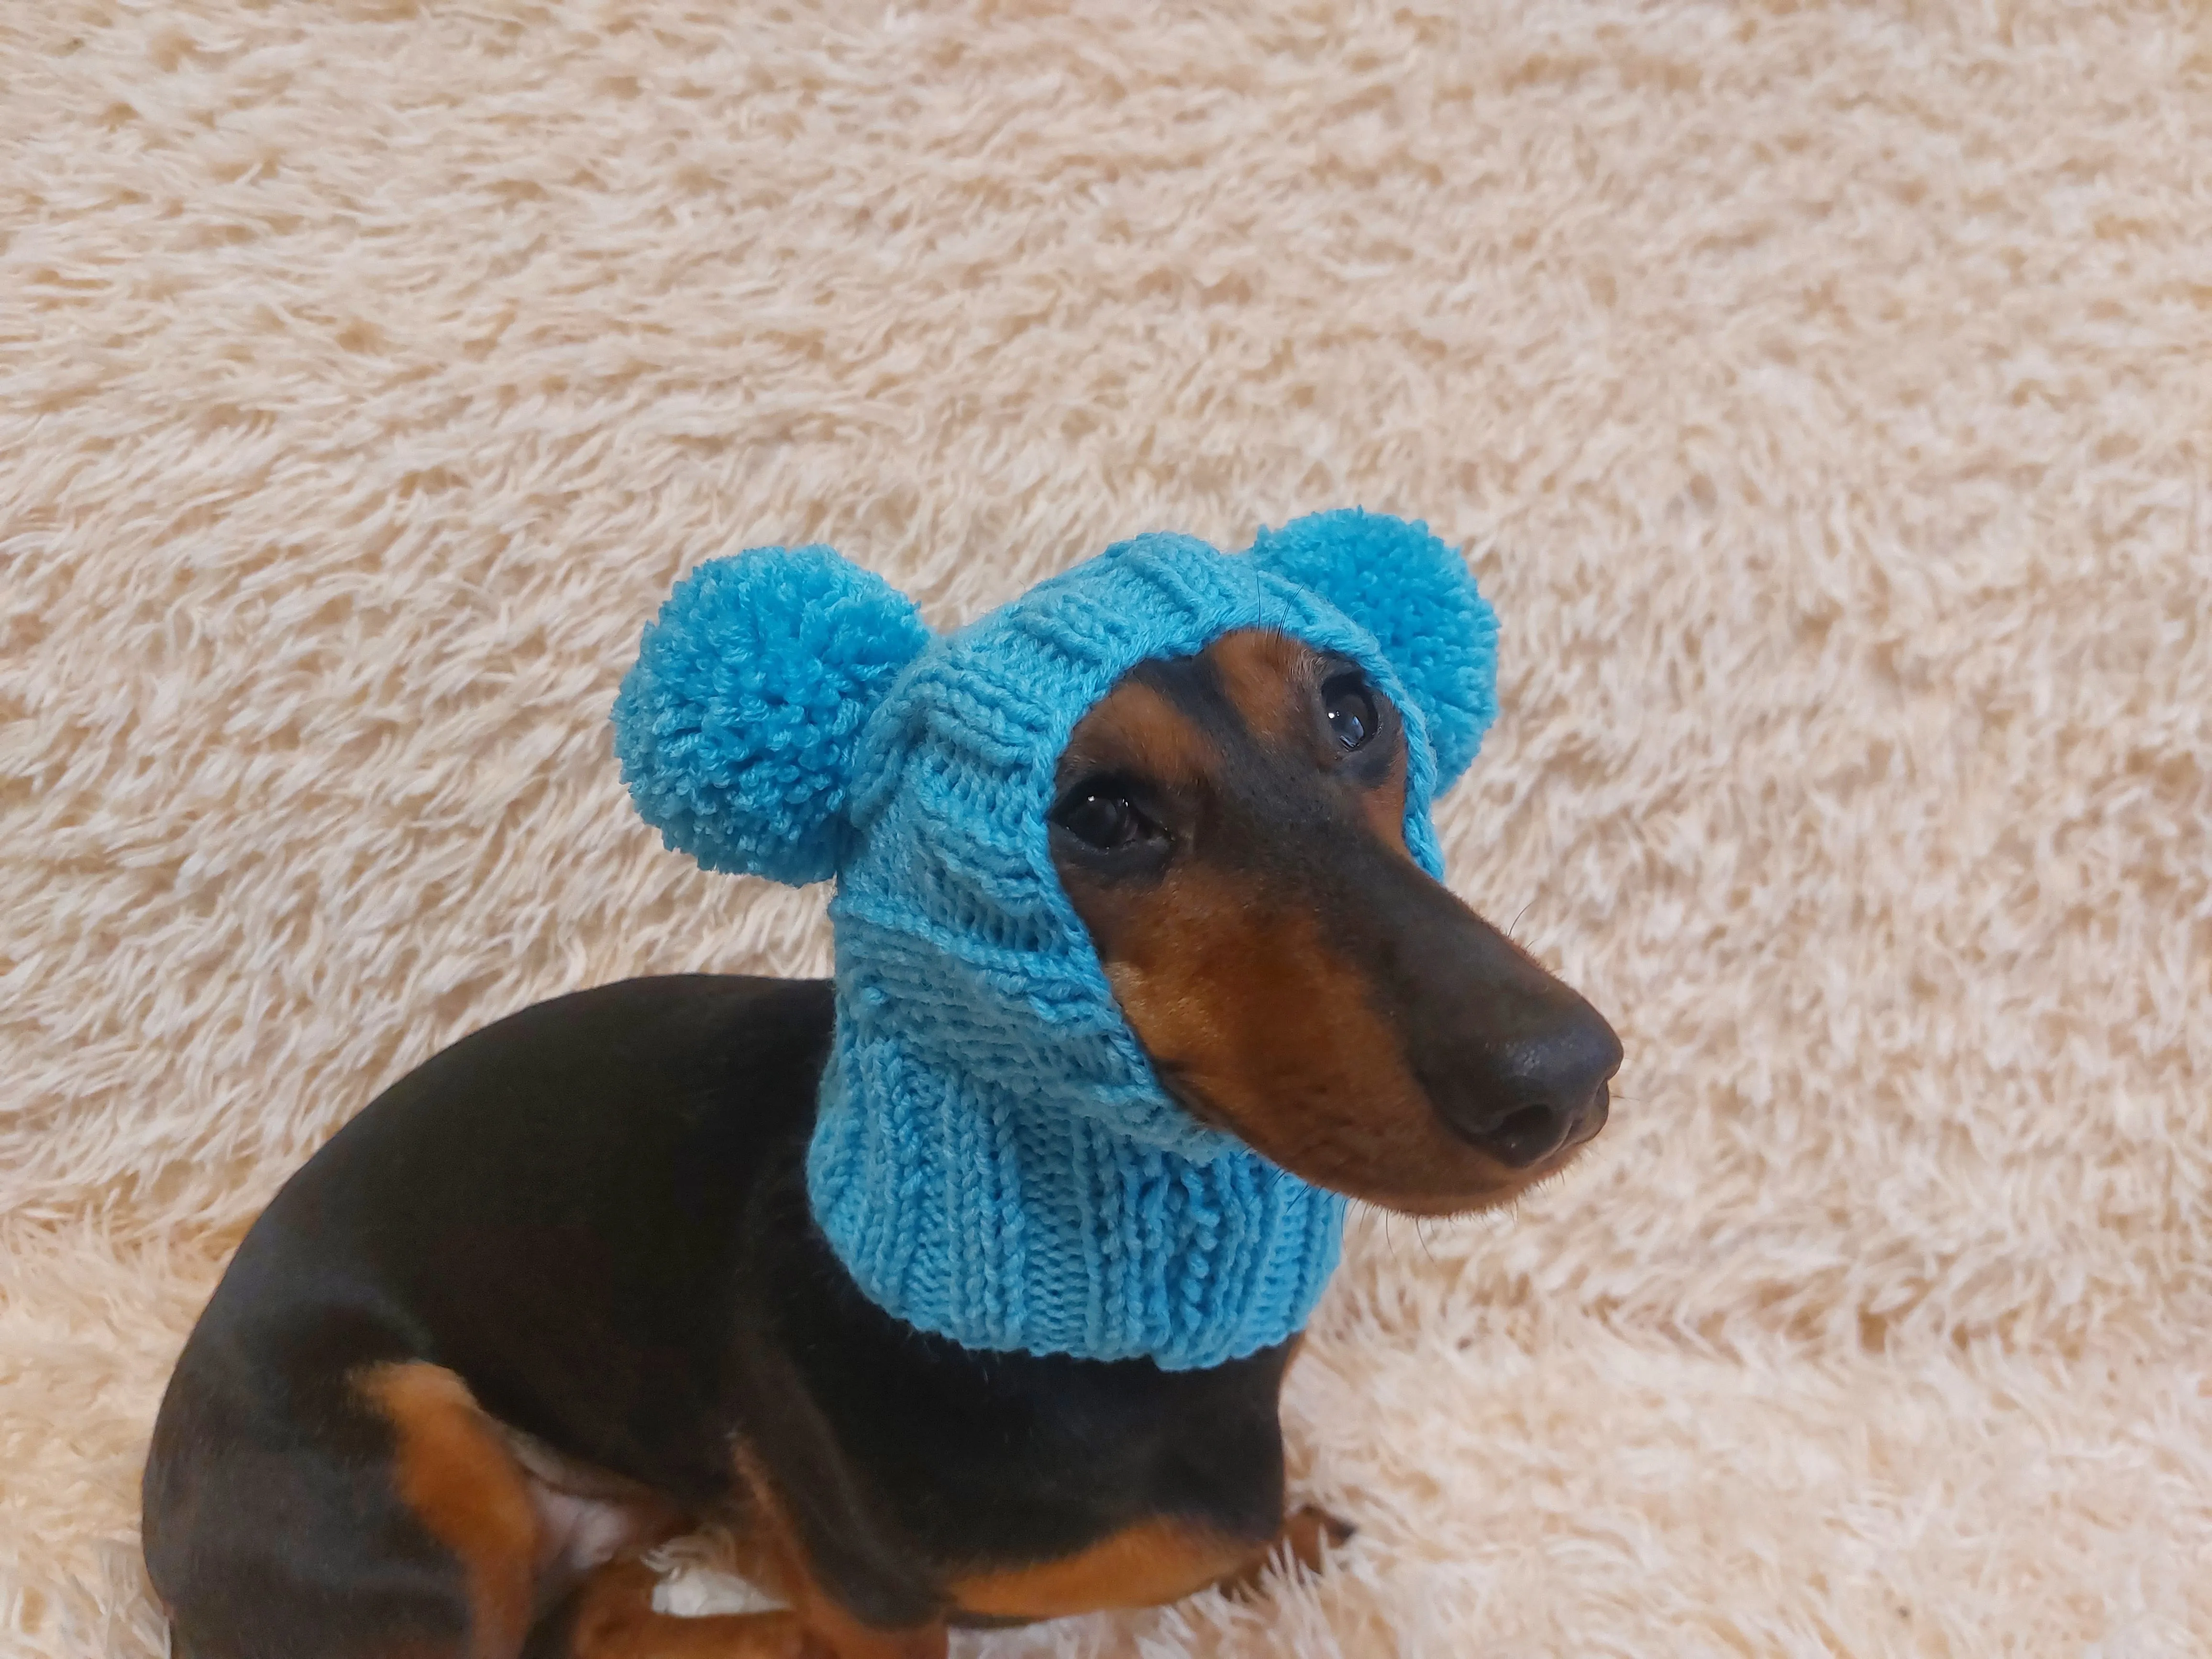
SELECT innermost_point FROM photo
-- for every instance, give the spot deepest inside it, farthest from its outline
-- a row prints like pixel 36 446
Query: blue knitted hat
pixel 994 1159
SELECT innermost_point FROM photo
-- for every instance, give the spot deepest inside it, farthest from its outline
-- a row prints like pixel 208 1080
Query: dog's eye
pixel 1351 709
pixel 1099 816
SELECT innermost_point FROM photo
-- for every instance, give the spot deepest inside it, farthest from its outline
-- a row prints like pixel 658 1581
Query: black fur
pixel 592 1211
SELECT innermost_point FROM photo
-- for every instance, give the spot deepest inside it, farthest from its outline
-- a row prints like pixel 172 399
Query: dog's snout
pixel 1540 1091
pixel 1514 1064
pixel 1546 1092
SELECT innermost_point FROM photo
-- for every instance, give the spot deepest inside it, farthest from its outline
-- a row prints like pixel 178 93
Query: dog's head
pixel 1231 827
pixel 1150 845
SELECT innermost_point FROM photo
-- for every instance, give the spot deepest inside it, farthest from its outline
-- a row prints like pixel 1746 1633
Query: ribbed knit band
pixel 1030 1229
pixel 994 1159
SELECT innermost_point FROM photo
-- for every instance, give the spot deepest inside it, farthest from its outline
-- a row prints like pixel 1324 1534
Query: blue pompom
pixel 1416 595
pixel 738 725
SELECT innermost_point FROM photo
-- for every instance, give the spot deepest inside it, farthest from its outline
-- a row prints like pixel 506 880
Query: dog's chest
pixel 976 1461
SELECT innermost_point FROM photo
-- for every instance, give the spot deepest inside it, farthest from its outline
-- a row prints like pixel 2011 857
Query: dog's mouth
pixel 1505 1189
pixel 1425 1164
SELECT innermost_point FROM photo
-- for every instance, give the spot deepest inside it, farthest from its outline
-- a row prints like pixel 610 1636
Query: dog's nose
pixel 1548 1093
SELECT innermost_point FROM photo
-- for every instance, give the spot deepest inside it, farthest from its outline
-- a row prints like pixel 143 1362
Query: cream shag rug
pixel 1827 394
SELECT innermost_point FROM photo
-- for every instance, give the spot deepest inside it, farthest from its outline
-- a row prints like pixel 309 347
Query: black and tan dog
pixel 558 1294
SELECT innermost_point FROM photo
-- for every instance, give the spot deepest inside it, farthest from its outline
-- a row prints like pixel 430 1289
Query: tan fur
pixel 1241 1000
pixel 1147 735
pixel 1158 1561
pixel 1231 982
pixel 1262 671
pixel 1820 389
pixel 1271 681
pixel 455 1471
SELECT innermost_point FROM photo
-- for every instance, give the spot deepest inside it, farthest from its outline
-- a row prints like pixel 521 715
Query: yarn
pixel 736 728
pixel 993 1158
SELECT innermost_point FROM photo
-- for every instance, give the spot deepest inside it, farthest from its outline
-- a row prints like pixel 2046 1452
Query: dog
pixel 558 1295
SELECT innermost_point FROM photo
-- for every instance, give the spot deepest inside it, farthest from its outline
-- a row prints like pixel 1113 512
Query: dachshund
pixel 557 1296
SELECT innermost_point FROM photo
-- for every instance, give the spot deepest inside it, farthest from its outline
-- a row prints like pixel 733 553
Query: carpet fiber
pixel 1823 394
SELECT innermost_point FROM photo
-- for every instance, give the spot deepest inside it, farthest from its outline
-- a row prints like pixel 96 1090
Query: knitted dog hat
pixel 994 1159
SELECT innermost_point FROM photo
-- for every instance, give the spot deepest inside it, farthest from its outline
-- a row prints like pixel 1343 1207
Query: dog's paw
pixel 1311 1531
pixel 1309 1534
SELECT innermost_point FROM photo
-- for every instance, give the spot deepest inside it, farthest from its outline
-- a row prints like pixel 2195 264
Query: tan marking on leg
pixel 454 1471
pixel 1159 1561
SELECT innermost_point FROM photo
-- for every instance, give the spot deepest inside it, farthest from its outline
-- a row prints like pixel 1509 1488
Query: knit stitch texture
pixel 995 1159
pixel 756 687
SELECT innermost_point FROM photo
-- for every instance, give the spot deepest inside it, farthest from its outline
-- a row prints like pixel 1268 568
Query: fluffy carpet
pixel 1823 395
